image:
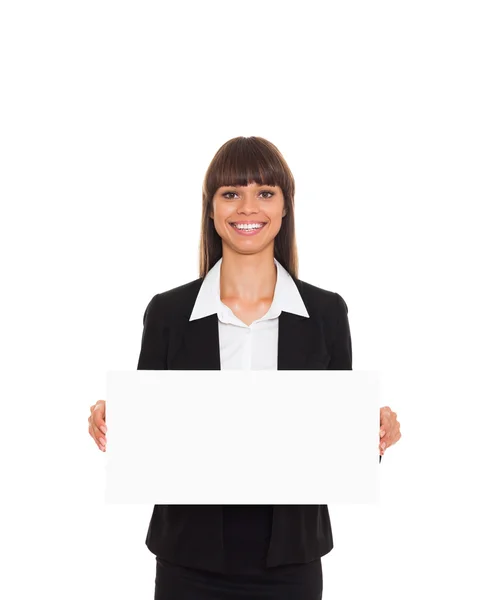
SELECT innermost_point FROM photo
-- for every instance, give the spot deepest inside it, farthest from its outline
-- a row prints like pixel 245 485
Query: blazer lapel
pixel 198 346
pixel 300 343
pixel 195 345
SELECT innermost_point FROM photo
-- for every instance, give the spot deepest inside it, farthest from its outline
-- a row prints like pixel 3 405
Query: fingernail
pixel 383 445
pixel 103 428
pixel 102 441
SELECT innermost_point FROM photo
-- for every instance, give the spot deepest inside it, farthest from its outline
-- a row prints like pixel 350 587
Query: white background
pixel 110 113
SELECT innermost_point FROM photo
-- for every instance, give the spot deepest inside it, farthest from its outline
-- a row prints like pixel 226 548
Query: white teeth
pixel 242 226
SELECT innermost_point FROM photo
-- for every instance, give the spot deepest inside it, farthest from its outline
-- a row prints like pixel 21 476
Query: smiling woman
pixel 248 310
pixel 248 184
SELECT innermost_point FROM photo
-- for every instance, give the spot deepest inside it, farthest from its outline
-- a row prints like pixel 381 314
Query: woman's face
pixel 248 218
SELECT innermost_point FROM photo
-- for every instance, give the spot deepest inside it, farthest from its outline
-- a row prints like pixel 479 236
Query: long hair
pixel 241 161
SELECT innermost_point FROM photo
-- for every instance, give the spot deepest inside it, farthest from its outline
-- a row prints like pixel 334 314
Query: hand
pixel 97 428
pixel 389 428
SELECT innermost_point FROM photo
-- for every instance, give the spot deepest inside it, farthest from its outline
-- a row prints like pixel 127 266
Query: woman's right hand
pixel 97 428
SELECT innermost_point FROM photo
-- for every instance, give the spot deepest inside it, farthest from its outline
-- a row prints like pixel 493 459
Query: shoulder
pixel 175 302
pixel 321 302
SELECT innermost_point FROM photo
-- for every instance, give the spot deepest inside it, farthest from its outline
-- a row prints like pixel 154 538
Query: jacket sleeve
pixel 341 357
pixel 341 350
pixel 154 341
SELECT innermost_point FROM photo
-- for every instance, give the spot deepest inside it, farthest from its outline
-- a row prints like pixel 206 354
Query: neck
pixel 248 277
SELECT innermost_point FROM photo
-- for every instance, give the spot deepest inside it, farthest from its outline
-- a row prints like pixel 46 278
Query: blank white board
pixel 242 437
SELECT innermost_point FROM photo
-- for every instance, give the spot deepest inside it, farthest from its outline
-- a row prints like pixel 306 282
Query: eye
pixel 227 195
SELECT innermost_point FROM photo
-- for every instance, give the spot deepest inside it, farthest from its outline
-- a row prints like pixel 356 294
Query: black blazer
pixel 192 535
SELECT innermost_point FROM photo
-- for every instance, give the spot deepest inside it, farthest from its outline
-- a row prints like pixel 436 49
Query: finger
pixel 384 435
pixel 95 431
pixel 396 437
pixel 385 414
pixel 92 434
pixel 386 417
pixel 99 418
pixel 95 406
pixel 388 437
pixel 98 436
pixel 385 426
pixel 395 432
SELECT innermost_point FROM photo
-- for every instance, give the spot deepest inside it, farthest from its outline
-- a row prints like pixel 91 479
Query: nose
pixel 248 204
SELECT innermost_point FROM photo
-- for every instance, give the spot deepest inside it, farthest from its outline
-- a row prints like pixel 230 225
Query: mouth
pixel 250 228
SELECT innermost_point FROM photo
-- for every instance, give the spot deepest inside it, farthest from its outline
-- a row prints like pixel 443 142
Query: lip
pixel 245 232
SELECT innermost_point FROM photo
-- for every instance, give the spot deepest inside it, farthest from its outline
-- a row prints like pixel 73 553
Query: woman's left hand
pixel 389 428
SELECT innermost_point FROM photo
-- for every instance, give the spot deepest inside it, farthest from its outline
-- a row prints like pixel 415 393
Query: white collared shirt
pixel 244 346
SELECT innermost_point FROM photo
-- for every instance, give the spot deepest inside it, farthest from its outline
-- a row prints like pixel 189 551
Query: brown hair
pixel 241 161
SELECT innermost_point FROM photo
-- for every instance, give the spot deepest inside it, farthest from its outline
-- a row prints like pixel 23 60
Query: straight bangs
pixel 243 161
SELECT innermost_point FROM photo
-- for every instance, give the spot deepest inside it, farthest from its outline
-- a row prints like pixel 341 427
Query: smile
pixel 247 228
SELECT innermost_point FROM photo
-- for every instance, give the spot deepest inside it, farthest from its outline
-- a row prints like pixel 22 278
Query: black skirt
pixel 247 532
pixel 287 582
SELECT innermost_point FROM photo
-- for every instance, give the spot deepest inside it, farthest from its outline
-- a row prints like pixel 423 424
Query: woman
pixel 247 310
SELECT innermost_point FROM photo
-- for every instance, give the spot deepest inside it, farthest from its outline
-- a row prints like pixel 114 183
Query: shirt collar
pixel 286 296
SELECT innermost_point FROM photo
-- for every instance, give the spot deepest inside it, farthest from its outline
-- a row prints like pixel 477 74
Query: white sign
pixel 242 437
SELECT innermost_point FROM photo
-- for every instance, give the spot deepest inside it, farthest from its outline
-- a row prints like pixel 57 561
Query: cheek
pixel 219 213
pixel 219 218
pixel 277 212
pixel 276 216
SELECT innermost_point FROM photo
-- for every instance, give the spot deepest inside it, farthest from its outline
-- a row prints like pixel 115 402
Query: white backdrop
pixel 110 113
